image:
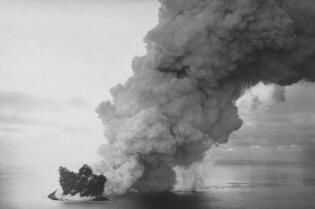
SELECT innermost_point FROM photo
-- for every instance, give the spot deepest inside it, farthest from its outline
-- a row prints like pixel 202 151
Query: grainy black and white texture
pixel 225 80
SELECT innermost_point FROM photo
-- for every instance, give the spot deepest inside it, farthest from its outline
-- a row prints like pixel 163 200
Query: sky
pixel 58 60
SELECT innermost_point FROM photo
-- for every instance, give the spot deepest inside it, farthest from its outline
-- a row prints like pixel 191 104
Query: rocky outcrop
pixel 84 182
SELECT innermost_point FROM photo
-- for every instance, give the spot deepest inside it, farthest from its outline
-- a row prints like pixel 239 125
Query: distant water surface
pixel 242 185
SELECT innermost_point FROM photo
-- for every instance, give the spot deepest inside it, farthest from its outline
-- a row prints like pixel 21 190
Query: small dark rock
pixel 52 196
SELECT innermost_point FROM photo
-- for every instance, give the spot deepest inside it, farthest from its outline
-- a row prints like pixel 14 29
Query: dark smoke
pixel 181 98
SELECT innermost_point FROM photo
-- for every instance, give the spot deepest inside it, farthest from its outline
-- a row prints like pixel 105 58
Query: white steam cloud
pixel 181 98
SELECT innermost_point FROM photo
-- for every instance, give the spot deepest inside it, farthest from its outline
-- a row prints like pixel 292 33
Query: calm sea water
pixel 228 186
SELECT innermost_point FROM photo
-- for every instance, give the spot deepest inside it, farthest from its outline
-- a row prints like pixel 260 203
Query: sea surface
pixel 228 185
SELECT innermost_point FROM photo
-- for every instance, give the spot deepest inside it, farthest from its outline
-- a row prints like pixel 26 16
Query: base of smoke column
pixel 147 195
pixel 160 200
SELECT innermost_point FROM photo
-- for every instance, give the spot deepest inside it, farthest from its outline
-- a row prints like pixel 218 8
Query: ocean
pixel 228 185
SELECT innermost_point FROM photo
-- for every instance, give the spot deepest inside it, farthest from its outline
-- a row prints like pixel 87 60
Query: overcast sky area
pixel 58 59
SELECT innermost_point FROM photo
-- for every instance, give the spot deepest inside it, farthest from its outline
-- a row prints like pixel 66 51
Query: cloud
pixel 33 127
pixel 15 119
pixel 28 102
pixel 19 101
pixel 278 125
pixel 20 110
pixel 287 122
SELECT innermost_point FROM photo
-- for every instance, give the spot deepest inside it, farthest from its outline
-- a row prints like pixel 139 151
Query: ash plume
pixel 200 58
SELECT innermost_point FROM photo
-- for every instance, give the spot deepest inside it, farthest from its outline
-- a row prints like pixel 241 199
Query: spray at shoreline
pixel 180 101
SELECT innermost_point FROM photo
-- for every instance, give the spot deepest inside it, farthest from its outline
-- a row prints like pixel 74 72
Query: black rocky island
pixel 84 183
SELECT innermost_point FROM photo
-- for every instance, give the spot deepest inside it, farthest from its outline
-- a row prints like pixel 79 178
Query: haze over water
pixel 227 185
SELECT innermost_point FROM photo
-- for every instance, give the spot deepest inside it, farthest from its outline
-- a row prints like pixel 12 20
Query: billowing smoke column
pixel 181 98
